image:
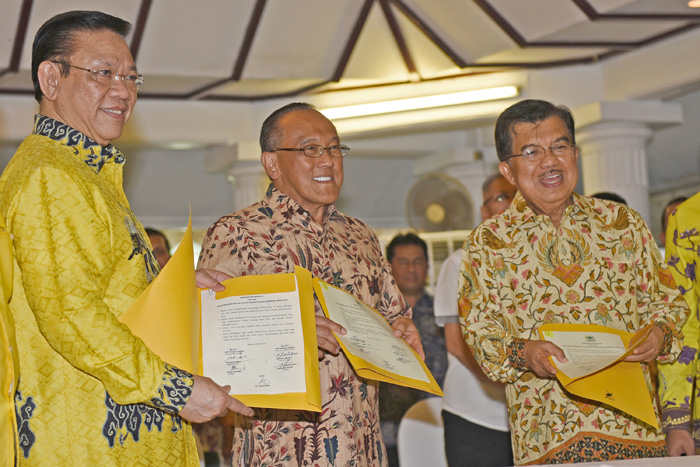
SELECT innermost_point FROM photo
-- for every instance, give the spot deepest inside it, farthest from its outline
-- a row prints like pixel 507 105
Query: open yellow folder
pixel 260 290
pixel 370 344
pixel 613 382
pixel 166 316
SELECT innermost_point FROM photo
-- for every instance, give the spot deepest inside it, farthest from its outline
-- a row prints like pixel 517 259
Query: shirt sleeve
pixel 445 303
pixel 498 352
pixel 676 380
pixel 658 300
pixel 62 246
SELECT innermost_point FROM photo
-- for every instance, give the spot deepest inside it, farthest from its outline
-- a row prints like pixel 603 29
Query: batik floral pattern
pixel 272 237
pixel 600 266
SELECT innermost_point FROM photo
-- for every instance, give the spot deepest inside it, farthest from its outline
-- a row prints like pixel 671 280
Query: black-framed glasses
pixel 536 153
pixel 316 150
pixel 107 77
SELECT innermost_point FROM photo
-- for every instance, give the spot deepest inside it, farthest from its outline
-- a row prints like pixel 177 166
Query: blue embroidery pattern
pixel 140 247
pixel 125 420
pixel 24 413
pixel 96 156
pixel 175 391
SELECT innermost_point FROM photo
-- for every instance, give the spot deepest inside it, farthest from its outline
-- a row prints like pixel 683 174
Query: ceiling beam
pixel 398 36
pixel 352 40
pixel 140 27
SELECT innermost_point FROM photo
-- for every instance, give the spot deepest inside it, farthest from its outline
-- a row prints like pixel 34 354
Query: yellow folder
pixel 167 317
pixel 276 283
pixel 619 384
pixel 367 369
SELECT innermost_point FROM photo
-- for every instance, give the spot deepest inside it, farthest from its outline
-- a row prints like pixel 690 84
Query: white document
pixel 369 336
pixel 587 352
pixel 254 342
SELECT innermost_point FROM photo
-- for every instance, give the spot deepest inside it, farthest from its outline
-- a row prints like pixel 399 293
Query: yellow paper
pixel 619 384
pixel 278 283
pixel 166 315
pixel 365 368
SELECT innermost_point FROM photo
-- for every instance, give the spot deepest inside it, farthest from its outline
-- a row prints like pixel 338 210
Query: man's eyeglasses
pixel 536 153
pixel 499 198
pixel 316 150
pixel 107 77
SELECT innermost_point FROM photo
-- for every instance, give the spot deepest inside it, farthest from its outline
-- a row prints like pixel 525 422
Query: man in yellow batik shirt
pixel 9 361
pixel 556 257
pixel 679 385
pixel 90 392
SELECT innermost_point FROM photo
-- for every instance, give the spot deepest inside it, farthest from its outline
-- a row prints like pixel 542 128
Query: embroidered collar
pixel 282 205
pixel 95 156
pixel 520 206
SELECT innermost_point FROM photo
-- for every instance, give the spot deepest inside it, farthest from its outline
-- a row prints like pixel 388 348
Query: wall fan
pixel 437 203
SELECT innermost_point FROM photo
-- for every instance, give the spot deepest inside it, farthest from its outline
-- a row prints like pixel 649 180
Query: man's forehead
pixel 528 130
pixel 306 123
pixel 500 184
pixel 103 45
pixel 408 250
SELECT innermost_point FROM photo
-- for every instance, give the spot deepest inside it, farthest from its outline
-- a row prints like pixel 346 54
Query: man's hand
pixel 650 348
pixel 324 335
pixel 406 329
pixel 211 279
pixel 209 400
pixel 536 353
pixel 680 442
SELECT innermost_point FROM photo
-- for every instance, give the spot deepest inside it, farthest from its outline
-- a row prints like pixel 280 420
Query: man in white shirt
pixel 474 407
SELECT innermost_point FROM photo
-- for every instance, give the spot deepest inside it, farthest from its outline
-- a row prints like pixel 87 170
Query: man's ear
pixel 270 163
pixel 504 168
pixel 48 75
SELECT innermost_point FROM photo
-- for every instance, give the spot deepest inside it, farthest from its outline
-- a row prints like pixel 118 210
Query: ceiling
pixel 246 50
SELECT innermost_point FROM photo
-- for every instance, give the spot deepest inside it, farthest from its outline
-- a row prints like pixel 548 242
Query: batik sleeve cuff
pixel 515 352
pixel 174 391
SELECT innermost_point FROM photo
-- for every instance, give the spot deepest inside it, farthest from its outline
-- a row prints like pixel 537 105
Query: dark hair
pixel 606 195
pixel 664 217
pixel 55 38
pixel 528 111
pixel 158 233
pixel 270 132
pixel 407 239
pixel 492 178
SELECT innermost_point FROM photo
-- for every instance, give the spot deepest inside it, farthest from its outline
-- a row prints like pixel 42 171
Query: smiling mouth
pixel 114 112
pixel 323 179
pixel 552 178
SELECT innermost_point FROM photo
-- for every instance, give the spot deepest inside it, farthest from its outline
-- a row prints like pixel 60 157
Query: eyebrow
pixel 314 139
pixel 561 138
pixel 108 63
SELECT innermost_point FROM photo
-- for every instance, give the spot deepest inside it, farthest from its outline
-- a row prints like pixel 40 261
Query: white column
pixel 613 158
pixel 249 182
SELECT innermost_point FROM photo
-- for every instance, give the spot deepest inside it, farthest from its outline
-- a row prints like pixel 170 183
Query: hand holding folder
pixel 260 334
pixel 596 370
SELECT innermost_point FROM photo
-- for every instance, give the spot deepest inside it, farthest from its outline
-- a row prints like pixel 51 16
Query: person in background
pixel 606 195
pixel 160 244
pixel 474 408
pixel 557 257
pixel 297 224
pixel 408 256
pixel 679 387
pixel 668 210
pixel 91 393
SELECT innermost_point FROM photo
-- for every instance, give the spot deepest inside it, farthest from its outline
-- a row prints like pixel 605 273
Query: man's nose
pixel 120 88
